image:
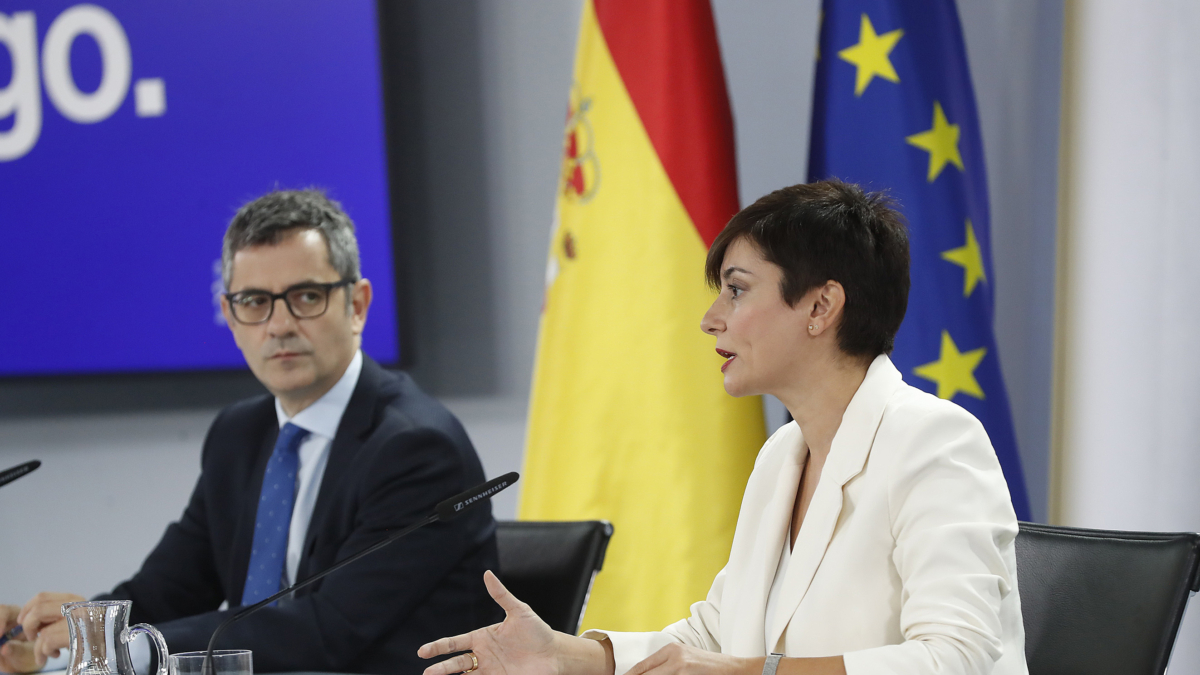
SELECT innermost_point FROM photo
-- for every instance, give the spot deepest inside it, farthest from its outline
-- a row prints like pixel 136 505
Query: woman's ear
pixel 826 308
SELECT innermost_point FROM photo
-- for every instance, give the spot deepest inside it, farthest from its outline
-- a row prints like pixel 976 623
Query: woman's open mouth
pixel 728 356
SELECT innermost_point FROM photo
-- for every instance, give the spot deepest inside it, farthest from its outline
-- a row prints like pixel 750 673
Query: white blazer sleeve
pixel 698 630
pixel 702 628
pixel 954 529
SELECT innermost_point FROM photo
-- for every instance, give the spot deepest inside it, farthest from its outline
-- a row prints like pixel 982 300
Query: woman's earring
pixel 812 327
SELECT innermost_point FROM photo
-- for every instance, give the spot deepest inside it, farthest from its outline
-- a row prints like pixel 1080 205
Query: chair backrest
pixel 551 566
pixel 1100 602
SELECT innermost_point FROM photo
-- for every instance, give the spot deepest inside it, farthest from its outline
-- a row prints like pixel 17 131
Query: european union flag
pixel 894 109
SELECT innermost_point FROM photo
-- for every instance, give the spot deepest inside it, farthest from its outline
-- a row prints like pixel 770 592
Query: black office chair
pixel 551 566
pixel 1099 602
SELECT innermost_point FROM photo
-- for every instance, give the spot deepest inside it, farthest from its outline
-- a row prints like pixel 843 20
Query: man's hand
pixel 677 659
pixel 8 617
pixel 43 610
pixel 521 645
pixel 45 625
pixel 18 655
pixel 51 639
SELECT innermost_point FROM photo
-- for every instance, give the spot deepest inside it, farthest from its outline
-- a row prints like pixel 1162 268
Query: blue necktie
pixel 264 577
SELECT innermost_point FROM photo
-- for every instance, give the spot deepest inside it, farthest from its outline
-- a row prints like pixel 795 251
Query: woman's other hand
pixel 521 645
pixel 678 659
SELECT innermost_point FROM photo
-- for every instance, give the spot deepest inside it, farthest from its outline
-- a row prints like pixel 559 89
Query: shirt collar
pixel 325 414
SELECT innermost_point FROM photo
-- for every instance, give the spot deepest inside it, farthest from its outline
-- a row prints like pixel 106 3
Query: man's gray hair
pixel 271 217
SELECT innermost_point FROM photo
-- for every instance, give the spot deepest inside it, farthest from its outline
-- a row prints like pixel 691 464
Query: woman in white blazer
pixel 876 534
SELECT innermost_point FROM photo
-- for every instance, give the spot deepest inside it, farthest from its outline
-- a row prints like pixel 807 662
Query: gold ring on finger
pixel 474 663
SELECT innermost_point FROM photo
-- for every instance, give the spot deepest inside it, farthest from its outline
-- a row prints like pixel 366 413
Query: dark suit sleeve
pixel 402 475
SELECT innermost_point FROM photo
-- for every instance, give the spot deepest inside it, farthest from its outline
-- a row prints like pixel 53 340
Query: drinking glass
pixel 225 662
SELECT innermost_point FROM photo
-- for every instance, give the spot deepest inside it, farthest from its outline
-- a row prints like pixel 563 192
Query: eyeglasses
pixel 304 301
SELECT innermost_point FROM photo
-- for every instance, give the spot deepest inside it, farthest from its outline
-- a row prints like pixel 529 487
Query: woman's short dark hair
pixel 831 230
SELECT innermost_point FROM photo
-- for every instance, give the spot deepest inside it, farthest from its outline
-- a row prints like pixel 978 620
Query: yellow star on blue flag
pixel 970 258
pixel 954 371
pixel 941 142
pixel 870 55
pixel 918 137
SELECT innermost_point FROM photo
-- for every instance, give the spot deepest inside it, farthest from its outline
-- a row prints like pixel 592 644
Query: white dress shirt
pixel 321 420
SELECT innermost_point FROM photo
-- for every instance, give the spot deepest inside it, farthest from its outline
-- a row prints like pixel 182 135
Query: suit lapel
pixel 352 430
pixel 755 568
pixel 847 456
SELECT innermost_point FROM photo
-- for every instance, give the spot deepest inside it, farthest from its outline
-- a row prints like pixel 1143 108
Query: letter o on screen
pixel 114 54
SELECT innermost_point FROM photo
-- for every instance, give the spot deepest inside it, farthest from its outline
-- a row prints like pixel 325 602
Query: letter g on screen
pixel 22 97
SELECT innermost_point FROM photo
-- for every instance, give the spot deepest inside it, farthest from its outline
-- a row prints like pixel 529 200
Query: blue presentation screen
pixel 130 133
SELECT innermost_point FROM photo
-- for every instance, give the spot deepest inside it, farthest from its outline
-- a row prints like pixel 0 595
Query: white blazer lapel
pixel 754 565
pixel 847 456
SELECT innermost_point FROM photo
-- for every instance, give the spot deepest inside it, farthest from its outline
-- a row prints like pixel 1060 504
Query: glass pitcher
pixel 100 635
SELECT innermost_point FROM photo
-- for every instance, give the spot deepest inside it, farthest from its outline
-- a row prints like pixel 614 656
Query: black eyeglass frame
pixel 326 287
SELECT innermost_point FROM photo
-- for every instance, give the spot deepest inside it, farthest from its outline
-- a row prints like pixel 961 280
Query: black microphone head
pixel 9 475
pixel 464 501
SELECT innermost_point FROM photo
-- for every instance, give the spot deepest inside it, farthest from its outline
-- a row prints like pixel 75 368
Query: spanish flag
pixel 629 421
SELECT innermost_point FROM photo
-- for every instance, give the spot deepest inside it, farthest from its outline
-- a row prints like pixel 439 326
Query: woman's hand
pixel 677 659
pixel 521 645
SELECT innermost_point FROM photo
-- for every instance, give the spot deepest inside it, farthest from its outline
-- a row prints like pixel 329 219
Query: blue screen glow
pixel 132 130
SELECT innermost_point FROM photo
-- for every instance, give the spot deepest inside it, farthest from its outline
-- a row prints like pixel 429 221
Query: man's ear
pixel 360 302
pixel 226 312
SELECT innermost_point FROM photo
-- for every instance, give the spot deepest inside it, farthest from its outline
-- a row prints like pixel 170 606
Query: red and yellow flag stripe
pixel 628 419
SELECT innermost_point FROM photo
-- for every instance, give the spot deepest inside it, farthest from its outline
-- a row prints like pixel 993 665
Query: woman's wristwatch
pixel 771 664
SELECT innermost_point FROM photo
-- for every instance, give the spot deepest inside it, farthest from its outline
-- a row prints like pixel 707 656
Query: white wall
pixel 495 77
pixel 1131 455
pixel 1015 52
pixel 1130 374
pixel 107 487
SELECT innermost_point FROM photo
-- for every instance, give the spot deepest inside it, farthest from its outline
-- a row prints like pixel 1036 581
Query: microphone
pixel 447 509
pixel 455 506
pixel 9 475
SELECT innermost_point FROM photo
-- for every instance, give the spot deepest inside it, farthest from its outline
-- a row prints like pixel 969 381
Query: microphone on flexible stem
pixel 445 510
pixel 9 475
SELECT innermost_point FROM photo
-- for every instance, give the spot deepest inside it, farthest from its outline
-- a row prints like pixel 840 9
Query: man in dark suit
pixel 341 454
